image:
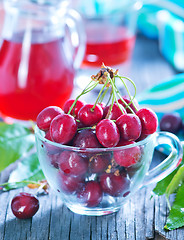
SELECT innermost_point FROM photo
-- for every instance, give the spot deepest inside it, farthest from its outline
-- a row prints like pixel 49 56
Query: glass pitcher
pixel 42 45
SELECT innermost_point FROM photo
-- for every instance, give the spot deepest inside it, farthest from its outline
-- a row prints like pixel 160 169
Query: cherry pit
pixel 88 174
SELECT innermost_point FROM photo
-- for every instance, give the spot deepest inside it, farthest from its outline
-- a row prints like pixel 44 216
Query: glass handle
pixel 75 25
pixel 167 142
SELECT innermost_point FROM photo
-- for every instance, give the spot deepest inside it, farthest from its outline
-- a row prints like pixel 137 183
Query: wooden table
pixel 140 218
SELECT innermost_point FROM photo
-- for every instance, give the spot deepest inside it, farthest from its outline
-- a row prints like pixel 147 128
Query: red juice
pixel 47 78
pixel 109 44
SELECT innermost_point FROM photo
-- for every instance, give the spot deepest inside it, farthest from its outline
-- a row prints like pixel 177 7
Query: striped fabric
pixel 164 20
pixel 166 97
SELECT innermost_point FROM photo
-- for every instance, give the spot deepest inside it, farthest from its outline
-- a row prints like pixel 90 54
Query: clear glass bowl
pixel 97 181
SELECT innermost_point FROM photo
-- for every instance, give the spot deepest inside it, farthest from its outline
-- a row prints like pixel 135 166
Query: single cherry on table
pixel 24 205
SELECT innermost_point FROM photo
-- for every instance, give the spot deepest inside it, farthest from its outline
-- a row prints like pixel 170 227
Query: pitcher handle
pixel 170 143
pixel 75 25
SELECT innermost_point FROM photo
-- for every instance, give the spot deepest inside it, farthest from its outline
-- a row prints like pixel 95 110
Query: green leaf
pixel 176 215
pixel 170 183
pixel 161 186
pixel 28 170
pixel 15 141
pixel 176 181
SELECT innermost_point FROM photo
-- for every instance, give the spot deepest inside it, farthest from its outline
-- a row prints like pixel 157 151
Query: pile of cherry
pixel 91 175
pixel 86 126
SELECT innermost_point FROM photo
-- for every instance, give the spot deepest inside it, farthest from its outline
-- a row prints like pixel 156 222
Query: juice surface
pixel 44 78
pixel 111 45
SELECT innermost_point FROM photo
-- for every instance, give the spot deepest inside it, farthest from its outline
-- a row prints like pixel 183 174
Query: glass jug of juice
pixel 42 45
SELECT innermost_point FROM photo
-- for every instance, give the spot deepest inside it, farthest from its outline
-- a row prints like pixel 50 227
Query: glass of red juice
pixel 111 35
pixel 38 59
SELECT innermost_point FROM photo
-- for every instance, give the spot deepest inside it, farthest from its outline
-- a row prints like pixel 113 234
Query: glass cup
pixel 98 181
pixel 110 31
pixel 42 45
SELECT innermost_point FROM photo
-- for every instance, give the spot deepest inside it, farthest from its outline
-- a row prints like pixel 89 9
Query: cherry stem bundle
pixel 109 81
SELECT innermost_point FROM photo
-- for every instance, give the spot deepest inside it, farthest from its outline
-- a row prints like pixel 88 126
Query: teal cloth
pixel 157 19
pixel 164 20
pixel 166 97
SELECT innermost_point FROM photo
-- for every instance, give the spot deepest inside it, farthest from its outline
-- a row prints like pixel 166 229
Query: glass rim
pixel 84 150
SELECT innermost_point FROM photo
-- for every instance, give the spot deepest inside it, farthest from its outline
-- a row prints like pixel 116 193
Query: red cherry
pixel 107 133
pixel 71 163
pixel 88 116
pixel 115 113
pixel 148 119
pixel 70 184
pixel 102 105
pixel 24 205
pixel 75 109
pixel 47 136
pixel 45 117
pixel 129 126
pixel 54 158
pixel 98 163
pixel 171 122
pixel 63 128
pixel 86 138
pixel 114 185
pixel 91 194
pixel 127 100
pixel 127 157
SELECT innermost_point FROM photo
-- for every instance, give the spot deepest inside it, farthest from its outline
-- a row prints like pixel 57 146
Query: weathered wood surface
pixel 140 218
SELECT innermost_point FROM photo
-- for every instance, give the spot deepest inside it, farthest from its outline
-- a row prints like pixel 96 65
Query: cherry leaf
pixel 15 141
pixel 176 215
pixel 170 184
pixel 27 170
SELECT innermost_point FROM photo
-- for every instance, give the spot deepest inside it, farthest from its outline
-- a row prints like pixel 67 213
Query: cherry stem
pixel 114 93
pixel 103 95
pixel 131 98
pixel 87 89
pixel 24 181
pixel 84 128
pixel 126 104
pixel 109 97
pixel 100 94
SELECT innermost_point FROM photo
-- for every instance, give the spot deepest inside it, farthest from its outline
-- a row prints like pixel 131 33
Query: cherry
pixel 128 156
pixel 99 162
pixel 107 133
pixel 171 122
pixel 24 205
pixel 89 116
pixel 148 119
pixel 129 126
pixel 48 136
pixel 71 163
pixel 114 185
pixel 70 184
pixel 45 117
pixel 91 194
pixel 115 113
pixel 63 128
pixel 86 138
pixel 75 109
pixel 127 100
pixel 182 127
pixel 54 158
pixel 102 105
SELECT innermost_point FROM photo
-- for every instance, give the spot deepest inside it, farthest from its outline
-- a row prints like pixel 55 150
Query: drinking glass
pixel 111 32
pixel 100 189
